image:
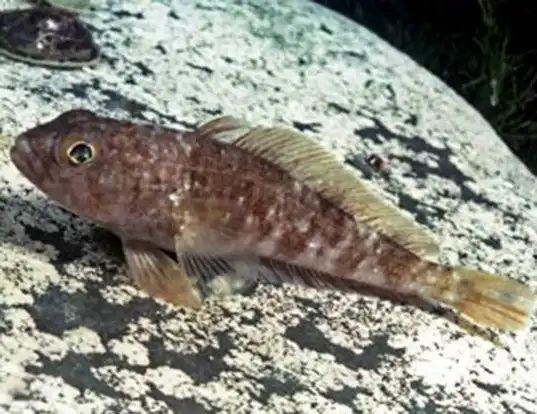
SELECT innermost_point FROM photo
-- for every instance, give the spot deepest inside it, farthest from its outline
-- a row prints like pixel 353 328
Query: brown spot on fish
pixel 47 36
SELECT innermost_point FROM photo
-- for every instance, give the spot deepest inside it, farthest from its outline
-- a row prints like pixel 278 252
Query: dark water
pixel 461 44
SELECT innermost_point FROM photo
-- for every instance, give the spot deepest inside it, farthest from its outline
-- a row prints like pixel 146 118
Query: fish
pixel 240 203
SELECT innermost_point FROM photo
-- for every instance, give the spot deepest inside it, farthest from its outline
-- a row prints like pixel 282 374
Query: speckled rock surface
pixel 77 337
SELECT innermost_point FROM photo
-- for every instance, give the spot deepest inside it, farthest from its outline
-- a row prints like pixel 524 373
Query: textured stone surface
pixel 75 336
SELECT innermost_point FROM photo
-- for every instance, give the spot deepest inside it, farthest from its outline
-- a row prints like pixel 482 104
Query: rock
pixel 76 336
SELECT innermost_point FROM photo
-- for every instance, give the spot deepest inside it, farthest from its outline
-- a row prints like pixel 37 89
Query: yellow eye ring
pixel 80 152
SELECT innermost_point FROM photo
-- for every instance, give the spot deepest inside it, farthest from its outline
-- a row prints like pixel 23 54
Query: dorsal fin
pixel 225 128
pixel 309 162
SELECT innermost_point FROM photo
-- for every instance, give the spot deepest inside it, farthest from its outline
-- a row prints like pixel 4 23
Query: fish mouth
pixel 27 161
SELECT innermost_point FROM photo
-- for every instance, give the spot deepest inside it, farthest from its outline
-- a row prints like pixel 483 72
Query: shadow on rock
pixel 34 222
pixel 31 222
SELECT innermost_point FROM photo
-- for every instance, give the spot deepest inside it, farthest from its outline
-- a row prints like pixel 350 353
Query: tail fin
pixel 488 299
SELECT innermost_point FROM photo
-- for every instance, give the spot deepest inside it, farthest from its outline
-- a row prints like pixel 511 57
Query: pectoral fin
pixel 159 275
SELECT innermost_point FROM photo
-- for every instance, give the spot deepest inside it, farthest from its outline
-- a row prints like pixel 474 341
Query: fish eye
pixel 80 152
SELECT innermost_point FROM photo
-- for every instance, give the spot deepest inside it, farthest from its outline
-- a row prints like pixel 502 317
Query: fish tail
pixel 488 299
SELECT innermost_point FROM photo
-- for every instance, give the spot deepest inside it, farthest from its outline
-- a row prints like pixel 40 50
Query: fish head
pixel 106 170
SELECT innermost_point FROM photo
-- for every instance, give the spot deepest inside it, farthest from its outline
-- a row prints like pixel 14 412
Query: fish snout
pixel 26 160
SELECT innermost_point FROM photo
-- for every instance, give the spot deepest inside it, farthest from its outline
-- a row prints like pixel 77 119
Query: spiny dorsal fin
pixel 309 162
pixel 225 128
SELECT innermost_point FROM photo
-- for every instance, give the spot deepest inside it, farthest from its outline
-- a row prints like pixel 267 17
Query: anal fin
pixel 276 272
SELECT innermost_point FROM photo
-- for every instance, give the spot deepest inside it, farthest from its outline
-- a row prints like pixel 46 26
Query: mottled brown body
pixel 245 202
pixel 147 173
pixel 273 215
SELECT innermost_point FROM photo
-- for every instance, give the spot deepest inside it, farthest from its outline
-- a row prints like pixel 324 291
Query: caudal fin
pixel 488 299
